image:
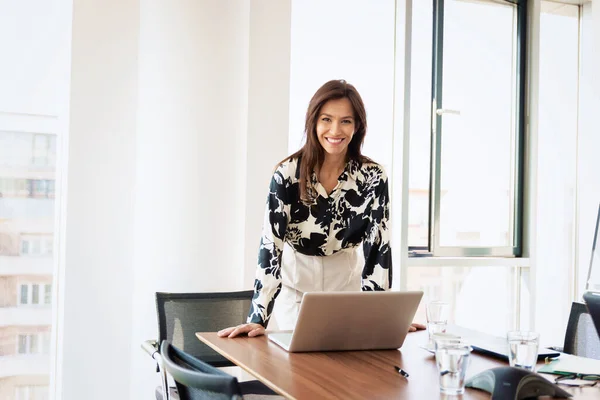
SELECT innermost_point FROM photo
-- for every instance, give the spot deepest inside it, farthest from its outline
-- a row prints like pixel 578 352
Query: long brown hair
pixel 312 154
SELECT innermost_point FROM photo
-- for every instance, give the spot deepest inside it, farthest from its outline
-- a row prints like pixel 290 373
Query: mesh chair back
pixel 181 315
pixel 197 380
pixel 581 338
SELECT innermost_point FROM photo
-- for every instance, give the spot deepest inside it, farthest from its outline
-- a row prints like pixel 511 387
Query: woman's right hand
pixel 251 329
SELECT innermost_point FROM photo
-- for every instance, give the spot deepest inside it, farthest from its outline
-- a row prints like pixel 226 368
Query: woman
pixel 324 201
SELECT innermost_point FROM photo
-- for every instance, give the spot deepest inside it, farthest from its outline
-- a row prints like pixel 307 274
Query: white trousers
pixel 301 273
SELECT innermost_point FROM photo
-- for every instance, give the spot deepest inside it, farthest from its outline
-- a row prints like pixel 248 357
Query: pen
pixel 401 371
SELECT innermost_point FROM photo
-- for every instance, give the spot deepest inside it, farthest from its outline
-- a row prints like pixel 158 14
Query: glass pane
pixel 22 344
pixel 24 294
pixel 420 124
pixel 479 68
pixel 25 247
pixel 557 177
pixel 47 294
pixel 35 294
pixel 26 166
pixel 588 195
pixel 480 298
pixel 36 246
pixel 33 344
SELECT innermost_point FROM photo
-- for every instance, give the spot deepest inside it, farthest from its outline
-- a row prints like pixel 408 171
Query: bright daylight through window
pixel 27 174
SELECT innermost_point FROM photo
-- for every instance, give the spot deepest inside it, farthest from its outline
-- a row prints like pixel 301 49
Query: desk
pixel 351 374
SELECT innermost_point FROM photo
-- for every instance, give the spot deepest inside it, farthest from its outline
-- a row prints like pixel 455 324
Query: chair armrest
pixel 150 347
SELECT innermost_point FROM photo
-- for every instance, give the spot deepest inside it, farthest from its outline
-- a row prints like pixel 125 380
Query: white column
pixel 191 158
pixel 268 114
pixel 179 111
pixel 95 236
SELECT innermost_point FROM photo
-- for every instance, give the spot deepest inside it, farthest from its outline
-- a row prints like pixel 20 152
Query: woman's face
pixel 335 126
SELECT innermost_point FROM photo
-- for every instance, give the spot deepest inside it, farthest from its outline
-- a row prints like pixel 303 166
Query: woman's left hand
pixel 416 327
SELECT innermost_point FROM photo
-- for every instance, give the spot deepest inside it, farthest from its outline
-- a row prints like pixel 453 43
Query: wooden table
pixel 352 374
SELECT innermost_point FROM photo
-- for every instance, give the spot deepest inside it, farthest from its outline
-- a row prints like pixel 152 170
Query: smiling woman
pixel 324 202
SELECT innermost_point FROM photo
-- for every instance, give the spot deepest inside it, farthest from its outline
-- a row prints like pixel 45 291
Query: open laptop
pixel 332 321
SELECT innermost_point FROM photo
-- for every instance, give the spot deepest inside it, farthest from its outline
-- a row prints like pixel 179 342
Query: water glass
pixel 523 349
pixel 439 339
pixel 452 359
pixel 437 317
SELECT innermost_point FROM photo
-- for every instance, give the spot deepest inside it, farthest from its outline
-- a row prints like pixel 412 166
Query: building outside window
pixel 27 189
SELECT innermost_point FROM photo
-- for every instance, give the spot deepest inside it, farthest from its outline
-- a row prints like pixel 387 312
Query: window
pixel 41 150
pixel 32 392
pixel 33 343
pixel 47 294
pixel 489 293
pixel 24 298
pixel 466 127
pixel 35 294
pixel 36 245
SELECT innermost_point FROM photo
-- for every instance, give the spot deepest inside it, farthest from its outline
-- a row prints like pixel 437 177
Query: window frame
pixel 518 154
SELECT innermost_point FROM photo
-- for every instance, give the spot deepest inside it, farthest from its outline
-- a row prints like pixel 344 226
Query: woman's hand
pixel 416 327
pixel 251 329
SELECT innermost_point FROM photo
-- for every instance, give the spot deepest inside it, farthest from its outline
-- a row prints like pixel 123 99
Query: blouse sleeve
pixel 377 272
pixel 267 284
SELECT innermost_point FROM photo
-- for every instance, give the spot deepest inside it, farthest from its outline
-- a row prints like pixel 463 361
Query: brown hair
pixel 312 155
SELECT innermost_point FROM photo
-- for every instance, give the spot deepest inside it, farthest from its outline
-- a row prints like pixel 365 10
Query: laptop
pixel 334 321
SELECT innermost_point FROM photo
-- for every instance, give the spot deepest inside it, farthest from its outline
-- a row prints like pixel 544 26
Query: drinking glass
pixel 437 317
pixel 522 349
pixel 452 359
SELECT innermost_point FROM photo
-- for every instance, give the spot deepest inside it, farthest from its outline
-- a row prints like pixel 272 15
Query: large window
pixel 27 175
pixel 466 130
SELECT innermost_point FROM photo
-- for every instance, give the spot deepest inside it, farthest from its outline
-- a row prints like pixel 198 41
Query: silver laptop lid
pixel 330 321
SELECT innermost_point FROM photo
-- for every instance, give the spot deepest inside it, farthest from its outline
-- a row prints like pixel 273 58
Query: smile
pixel 334 141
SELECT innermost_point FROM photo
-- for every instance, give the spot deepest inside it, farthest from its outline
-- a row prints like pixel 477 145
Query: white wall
pixel 351 40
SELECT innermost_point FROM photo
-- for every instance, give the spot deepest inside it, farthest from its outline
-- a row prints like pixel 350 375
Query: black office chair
pixel 581 338
pixel 197 380
pixel 181 315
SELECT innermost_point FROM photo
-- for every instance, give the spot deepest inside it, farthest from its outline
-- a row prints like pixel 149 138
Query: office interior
pixel 138 138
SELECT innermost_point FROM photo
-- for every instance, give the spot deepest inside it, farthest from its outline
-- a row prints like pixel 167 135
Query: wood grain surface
pixel 352 374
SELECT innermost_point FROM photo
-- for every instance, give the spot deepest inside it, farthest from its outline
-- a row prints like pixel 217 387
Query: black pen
pixel 401 371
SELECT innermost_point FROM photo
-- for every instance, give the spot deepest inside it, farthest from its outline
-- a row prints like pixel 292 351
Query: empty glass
pixel 437 317
pixel 439 338
pixel 522 349
pixel 452 359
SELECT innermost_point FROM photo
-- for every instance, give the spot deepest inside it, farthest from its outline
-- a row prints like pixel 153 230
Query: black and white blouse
pixel 355 212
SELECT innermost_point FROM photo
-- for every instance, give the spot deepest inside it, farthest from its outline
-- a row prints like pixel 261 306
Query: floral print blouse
pixel 356 212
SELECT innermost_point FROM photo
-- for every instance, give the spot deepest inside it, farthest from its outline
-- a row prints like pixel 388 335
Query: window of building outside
pixel 27 175
pixel 35 294
pixel 32 392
